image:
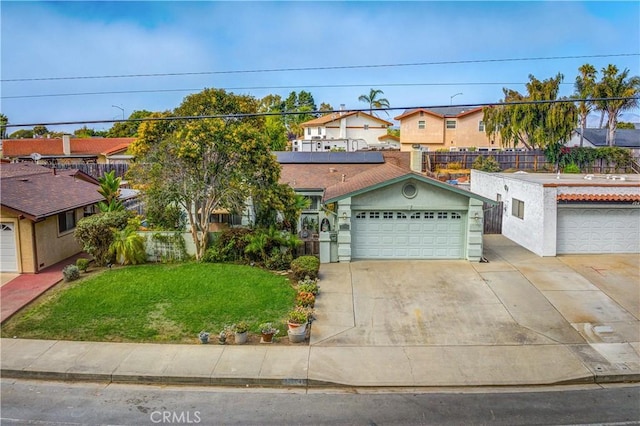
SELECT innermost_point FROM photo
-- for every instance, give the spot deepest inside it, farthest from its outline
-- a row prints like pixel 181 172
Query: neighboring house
pixel 68 150
pixel 552 214
pixel 347 131
pixel 452 128
pixel 378 208
pixel 595 138
pixel 39 210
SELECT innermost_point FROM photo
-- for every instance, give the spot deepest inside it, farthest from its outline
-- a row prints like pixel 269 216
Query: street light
pixel 120 108
pixel 453 96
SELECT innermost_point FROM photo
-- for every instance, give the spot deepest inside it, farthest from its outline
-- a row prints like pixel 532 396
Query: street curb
pixel 275 383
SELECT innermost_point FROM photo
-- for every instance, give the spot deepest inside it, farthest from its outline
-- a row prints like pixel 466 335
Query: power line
pixel 316 112
pixel 325 68
pixel 306 86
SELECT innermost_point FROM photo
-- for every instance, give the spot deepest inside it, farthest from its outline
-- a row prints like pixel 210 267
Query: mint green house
pixel 391 213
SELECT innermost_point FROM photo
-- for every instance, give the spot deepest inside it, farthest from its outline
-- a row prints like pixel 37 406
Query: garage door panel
pixel 418 235
pixel 598 230
pixel 8 253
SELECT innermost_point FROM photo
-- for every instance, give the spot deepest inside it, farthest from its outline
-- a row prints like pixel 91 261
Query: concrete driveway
pixel 517 298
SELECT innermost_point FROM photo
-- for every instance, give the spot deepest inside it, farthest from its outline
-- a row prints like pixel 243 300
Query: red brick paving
pixel 25 288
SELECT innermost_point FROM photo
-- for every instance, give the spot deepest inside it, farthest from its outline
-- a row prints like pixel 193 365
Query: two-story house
pixel 452 128
pixel 344 131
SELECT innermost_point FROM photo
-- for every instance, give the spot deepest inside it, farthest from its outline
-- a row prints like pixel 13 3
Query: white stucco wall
pixel 537 224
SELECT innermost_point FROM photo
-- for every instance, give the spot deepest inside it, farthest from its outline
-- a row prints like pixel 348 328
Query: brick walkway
pixel 25 288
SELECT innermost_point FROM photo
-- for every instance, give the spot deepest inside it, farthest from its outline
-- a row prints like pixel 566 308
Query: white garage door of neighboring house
pixel 598 230
pixel 8 258
pixel 407 235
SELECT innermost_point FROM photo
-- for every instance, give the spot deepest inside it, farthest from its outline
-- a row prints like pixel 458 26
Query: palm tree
pixel 584 87
pixel 373 100
pixel 614 85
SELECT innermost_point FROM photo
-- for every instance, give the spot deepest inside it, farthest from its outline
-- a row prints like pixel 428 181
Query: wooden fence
pixel 514 160
pixel 93 169
pixel 493 218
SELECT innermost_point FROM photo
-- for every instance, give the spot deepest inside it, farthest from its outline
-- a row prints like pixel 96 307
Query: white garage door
pixel 605 230
pixel 8 258
pixel 407 235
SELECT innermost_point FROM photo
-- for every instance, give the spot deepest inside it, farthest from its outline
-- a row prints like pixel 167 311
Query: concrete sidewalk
pixel 518 320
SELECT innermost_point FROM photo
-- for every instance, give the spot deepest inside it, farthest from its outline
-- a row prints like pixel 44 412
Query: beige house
pixel 39 210
pixel 68 150
pixel 348 131
pixel 451 128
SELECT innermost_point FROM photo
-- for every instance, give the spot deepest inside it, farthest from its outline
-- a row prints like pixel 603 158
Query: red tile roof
pixel 599 197
pixel 38 194
pixel 53 147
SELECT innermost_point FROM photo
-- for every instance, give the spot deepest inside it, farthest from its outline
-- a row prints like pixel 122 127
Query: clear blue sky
pixel 64 39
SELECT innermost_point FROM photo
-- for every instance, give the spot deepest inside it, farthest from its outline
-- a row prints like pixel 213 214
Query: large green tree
pixel 129 128
pixel 584 89
pixel 274 129
pixel 374 100
pixel 303 103
pixel 3 126
pixel 206 164
pixel 87 132
pixel 533 120
pixel 620 85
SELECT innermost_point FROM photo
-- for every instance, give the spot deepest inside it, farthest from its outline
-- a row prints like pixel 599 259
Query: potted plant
pixel 241 330
pixel 267 331
pixel 305 299
pixel 204 337
pixel 297 320
pixel 222 336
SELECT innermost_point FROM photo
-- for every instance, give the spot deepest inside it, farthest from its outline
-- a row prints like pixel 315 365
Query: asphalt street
pixel 55 403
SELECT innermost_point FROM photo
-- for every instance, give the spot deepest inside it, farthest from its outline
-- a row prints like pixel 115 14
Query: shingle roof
pixel 319 176
pixel 53 147
pixel 599 197
pixel 38 194
pixel 625 138
pixel 367 178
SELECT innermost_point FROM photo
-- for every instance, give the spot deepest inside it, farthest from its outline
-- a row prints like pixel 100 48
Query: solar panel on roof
pixel 364 157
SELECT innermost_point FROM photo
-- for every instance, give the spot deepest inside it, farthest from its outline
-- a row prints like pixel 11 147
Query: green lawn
pixel 157 303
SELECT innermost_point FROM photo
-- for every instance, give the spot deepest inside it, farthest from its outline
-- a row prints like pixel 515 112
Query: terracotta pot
pixel 267 338
pixel 301 328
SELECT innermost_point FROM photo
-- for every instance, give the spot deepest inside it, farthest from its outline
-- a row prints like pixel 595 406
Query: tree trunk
pixel 583 125
pixel 611 131
pixel 601 119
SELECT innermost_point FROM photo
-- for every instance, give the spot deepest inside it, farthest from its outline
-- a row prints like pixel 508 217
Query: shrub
pixel 456 165
pixel 305 299
pixel 571 168
pixel 95 233
pixel 486 164
pixel 82 264
pixel 305 266
pixel 71 273
pixel 309 285
pixel 278 261
pixel 128 246
pixel 229 246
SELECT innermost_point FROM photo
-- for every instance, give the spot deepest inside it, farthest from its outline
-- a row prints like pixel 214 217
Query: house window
pixel 319 130
pixel 422 124
pixel 443 215
pixel 361 215
pixel 400 215
pixel 66 221
pixel 387 215
pixel 451 124
pixel 309 131
pixel 366 127
pixel 415 215
pixel 455 215
pixel 374 215
pixel 517 208
pixel 481 126
pixel 429 215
